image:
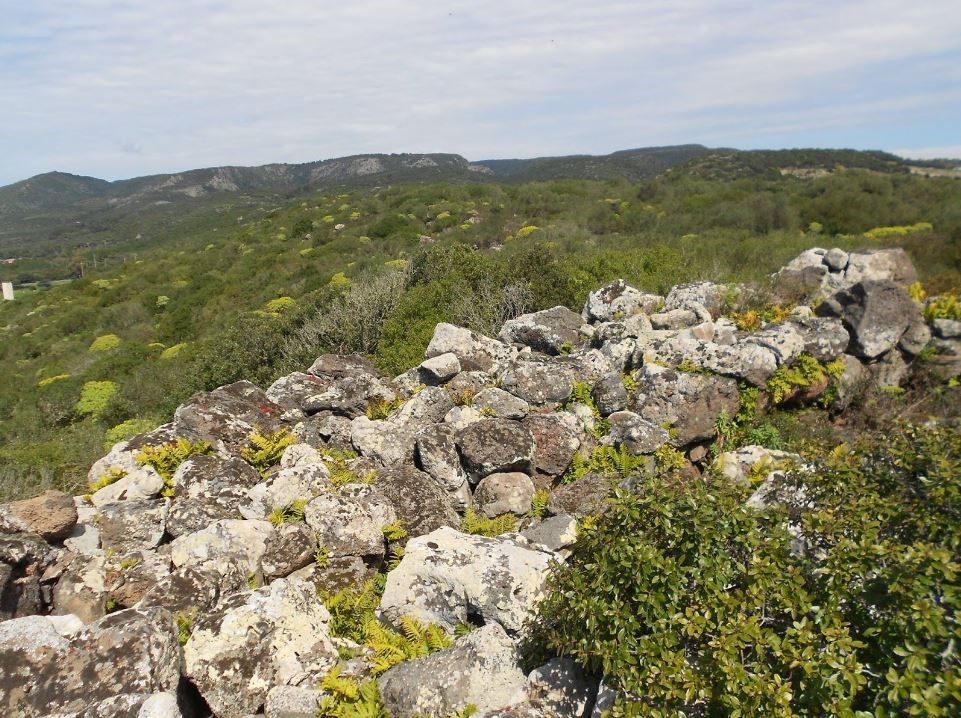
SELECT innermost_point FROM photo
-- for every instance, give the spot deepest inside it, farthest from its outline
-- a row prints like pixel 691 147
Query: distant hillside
pixel 48 220
pixel 634 165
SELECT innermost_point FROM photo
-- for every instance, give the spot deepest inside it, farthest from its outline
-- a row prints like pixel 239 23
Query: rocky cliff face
pixel 197 576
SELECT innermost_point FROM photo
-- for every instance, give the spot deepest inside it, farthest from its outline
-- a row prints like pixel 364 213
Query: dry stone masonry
pixel 199 589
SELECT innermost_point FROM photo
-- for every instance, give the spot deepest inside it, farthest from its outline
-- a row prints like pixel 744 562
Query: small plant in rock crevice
pixel 474 523
pixel 264 449
pixel 167 458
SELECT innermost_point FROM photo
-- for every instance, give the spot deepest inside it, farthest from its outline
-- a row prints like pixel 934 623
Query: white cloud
pixel 931 153
pixel 202 82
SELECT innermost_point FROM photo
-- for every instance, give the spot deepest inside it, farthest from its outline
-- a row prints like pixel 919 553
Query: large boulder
pixel 494 446
pixel 383 441
pixel 292 391
pixel 480 669
pixel 557 437
pixel 421 503
pixel 635 434
pixel 617 300
pixel 228 414
pixel 277 635
pixel 351 396
pixel 539 382
pixel 690 404
pixel 24 558
pixel 501 404
pixel 55 666
pixel 207 489
pixel 52 515
pixel 498 494
pixel 691 297
pixel 446 577
pixel 474 351
pixel 560 689
pixel 550 331
pixel 875 313
pixel 585 497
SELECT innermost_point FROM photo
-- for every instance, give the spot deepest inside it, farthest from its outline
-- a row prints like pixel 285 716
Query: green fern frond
pixel 264 450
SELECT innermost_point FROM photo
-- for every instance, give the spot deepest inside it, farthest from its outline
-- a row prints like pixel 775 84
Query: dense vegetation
pixel 92 361
pixel 692 603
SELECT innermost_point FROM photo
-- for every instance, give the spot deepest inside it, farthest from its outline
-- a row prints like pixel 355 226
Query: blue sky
pixel 119 89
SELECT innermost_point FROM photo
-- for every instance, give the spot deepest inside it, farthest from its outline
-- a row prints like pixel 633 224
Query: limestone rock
pixel 585 497
pixel 426 407
pixel 24 560
pixel 552 534
pixel 494 446
pixel 480 669
pixel 351 396
pixel 609 394
pixel 289 548
pixel 550 331
pixel 133 525
pixel 560 689
pixel 689 403
pixel 52 515
pixel 441 368
pixel 292 391
pixel 637 435
pixel 382 441
pixel 437 456
pixel 274 636
pixel 504 493
pixel 473 350
pixel 446 576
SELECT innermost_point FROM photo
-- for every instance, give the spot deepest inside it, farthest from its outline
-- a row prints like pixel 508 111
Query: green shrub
pixel 127 430
pixel 105 343
pixel 731 622
pixel 95 397
pixel 690 604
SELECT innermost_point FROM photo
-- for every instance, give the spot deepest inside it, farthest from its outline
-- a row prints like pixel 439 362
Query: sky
pixel 117 89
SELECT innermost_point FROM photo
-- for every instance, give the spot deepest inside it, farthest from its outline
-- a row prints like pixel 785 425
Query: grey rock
pixel 552 534
pixel 474 351
pixel 193 591
pixel 49 672
pixel 539 382
pixel 825 338
pixel 947 328
pixel 500 404
pixel 425 407
pixel 836 260
pixel 609 394
pixel 617 300
pixel 708 295
pixel 690 403
pixel 421 503
pixel 889 370
pixel 915 337
pixel 206 489
pixel 292 391
pixel 339 366
pixel 585 497
pixel 504 493
pixel 890 265
pixel 446 577
pixel 557 437
pixel 437 456
pixel 480 669
pixel 24 561
pixel 289 548
pixel 493 446
pixel 550 331
pixel 336 573
pixel 560 689
pixel 274 636
pixel 382 441
pixel 637 435
pixel 675 319
pixel 292 702
pixel 229 414
pixel 345 527
pixel 224 541
pixel 82 589
pixel 785 340
pixel 351 396
pixel 133 525
pixel 876 314
pixel 441 368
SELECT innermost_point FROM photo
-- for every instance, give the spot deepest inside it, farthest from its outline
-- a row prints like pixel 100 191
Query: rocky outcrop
pixel 240 562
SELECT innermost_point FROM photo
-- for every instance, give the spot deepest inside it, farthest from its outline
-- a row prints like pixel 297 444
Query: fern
pixel 604 460
pixel 539 504
pixel 167 458
pixel 472 523
pixel 341 474
pixel 112 476
pixel 293 513
pixel 395 531
pixel 382 408
pixel 349 698
pixel 264 450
